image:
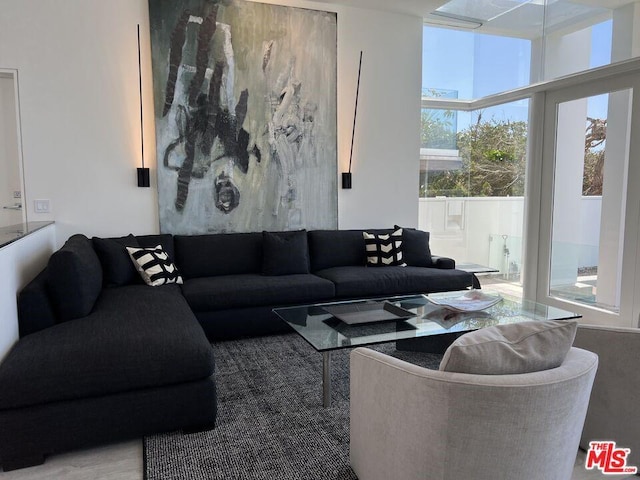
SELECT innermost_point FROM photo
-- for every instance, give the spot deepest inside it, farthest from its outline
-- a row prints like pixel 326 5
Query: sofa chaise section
pixel 158 342
pixel 136 363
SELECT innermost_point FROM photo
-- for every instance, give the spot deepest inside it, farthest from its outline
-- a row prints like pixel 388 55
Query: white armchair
pixel 614 410
pixel 411 423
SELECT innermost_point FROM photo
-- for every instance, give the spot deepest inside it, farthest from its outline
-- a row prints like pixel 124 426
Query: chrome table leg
pixel 326 379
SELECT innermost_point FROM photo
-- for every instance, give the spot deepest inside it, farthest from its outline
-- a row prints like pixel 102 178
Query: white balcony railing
pixel 488 230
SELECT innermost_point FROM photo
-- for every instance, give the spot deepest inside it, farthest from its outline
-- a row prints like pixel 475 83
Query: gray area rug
pixel 271 423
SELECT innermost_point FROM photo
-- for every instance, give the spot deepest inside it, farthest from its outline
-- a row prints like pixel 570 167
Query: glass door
pixel 11 184
pixel 589 215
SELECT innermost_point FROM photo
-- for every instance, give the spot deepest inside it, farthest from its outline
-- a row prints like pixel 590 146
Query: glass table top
pixel 325 332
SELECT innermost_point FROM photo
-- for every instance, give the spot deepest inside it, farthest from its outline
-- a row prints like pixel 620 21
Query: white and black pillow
pixel 384 250
pixel 154 265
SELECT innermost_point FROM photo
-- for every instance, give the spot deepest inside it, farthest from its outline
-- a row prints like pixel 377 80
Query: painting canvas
pixel 245 114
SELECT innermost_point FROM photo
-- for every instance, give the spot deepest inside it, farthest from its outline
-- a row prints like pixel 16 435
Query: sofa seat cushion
pixel 137 337
pixel 354 282
pixel 250 290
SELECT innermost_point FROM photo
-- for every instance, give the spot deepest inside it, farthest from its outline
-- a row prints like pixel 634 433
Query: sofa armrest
pixel 444 263
pixel 35 311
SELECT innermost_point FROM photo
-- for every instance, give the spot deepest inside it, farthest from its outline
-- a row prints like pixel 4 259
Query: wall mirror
pixel 12 211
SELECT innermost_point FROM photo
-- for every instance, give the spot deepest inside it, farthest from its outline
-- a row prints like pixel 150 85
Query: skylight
pixel 478 11
pixel 519 18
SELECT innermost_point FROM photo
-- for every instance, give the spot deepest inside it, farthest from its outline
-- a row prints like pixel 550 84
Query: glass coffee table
pixel 415 324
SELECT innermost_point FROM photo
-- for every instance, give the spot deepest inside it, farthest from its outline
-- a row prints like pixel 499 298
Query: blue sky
pixel 477 65
pixel 601 37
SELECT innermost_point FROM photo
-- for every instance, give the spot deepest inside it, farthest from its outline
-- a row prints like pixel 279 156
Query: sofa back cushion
pixel 117 267
pixel 164 239
pixel 74 278
pixel 285 253
pixel 338 248
pixel 219 254
pixel 415 247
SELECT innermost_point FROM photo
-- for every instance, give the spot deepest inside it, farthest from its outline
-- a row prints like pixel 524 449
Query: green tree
pixel 493 162
pixel 437 129
pixel 495 152
pixel 494 159
pixel 594 142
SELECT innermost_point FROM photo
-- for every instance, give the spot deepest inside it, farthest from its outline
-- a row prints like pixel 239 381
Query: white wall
pixel 387 140
pixel 77 63
pixel 80 121
pixel 20 262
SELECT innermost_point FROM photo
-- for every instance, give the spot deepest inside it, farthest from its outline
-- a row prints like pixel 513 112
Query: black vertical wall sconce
pixel 143 173
pixel 346 176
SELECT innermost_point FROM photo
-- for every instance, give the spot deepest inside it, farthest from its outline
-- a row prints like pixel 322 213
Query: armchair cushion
pixel 511 349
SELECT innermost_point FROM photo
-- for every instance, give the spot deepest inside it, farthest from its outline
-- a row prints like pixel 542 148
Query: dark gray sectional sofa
pixel 103 357
pixel 230 295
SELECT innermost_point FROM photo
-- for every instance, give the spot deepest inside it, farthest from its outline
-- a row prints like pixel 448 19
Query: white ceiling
pixel 524 21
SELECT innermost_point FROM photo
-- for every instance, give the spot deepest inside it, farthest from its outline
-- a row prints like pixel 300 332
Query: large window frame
pixel 539 182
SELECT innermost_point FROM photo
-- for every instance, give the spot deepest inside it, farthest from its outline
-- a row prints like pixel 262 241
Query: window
pixel 473 199
pixel 466 62
pixel 575 251
pixel 590 155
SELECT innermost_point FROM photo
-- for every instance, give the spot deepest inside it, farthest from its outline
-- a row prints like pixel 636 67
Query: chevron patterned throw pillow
pixel 384 250
pixel 154 265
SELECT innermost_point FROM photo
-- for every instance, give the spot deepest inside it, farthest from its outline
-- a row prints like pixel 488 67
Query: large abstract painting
pixel 245 112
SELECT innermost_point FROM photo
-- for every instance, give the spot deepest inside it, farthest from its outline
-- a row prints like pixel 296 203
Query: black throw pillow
pixel 415 247
pixel 74 278
pixel 285 253
pixel 117 268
